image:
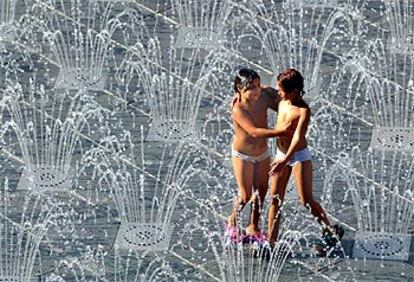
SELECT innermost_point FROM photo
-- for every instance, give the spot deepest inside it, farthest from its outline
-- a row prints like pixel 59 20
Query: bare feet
pixel 231 221
pixel 252 230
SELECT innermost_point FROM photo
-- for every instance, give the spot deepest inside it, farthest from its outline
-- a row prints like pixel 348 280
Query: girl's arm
pixel 300 133
pixel 245 121
pixel 272 97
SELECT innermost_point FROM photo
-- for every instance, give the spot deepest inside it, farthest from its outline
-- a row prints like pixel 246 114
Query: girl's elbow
pixel 254 133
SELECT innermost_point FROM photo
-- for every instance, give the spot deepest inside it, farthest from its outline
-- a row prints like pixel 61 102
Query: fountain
pixel 7 14
pixel 240 263
pixel 392 98
pixel 47 130
pixel 140 267
pixel 145 208
pixel 379 181
pixel 208 249
pixel 316 3
pixel 383 196
pixel 80 40
pixel 394 130
pixel 160 218
pixel 114 265
pixel 385 212
pixel 173 88
pixel 379 92
pixel 294 36
pixel 399 14
pixel 22 230
pixel 201 24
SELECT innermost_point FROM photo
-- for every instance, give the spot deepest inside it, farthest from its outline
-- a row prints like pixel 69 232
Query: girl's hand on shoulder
pixel 236 99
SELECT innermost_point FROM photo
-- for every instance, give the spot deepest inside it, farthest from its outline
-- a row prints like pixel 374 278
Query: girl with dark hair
pixel 250 153
pixel 293 156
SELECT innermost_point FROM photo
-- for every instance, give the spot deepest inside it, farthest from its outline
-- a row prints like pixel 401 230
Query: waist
pixel 298 151
pixel 283 144
pixel 250 149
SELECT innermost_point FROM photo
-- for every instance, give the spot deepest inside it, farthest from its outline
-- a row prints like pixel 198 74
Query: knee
pixel 244 199
pixel 307 203
pixel 276 200
pixel 258 199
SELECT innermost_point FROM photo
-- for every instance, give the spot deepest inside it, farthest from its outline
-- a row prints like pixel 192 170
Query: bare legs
pixel 260 182
pixel 277 194
pixel 250 177
pixel 303 180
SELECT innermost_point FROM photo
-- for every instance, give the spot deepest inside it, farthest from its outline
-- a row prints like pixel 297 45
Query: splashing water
pixel 383 202
pixel 176 87
pixel 172 89
pixel 7 15
pixel 295 36
pixel 80 48
pixel 145 208
pixel 201 24
pixel 316 3
pixel 47 132
pixel 21 233
pixel 401 23
pixel 241 263
pixel 384 76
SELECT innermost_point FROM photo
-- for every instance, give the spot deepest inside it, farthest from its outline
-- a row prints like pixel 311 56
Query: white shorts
pixel 298 157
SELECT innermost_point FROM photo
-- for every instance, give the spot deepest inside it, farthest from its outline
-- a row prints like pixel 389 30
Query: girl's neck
pixel 293 100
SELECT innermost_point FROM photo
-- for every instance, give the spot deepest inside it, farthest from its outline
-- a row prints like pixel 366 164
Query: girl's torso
pixel 242 141
pixel 288 113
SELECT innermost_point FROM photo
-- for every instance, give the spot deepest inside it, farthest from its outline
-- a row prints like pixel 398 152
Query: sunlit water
pixel 115 137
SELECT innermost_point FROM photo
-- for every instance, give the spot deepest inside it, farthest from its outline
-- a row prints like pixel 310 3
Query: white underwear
pixel 252 159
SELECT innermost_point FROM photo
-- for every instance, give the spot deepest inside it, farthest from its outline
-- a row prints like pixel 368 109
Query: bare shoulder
pixel 305 112
pixel 238 109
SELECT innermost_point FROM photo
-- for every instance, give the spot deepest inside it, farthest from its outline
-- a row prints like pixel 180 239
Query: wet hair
pixel 290 80
pixel 244 79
